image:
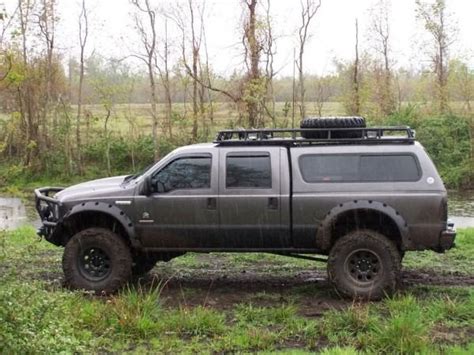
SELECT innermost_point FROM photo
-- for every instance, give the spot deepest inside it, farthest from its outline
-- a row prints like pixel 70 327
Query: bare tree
pixel 5 57
pixel 191 33
pixel 323 92
pixel 269 51
pixel 195 49
pixel 436 21
pixel 461 83
pixel 379 31
pixel 46 22
pixel 253 49
pixel 25 96
pixel 83 35
pixel 181 18
pixel 147 30
pixel 207 77
pixel 165 79
pixel 309 8
pixel 355 77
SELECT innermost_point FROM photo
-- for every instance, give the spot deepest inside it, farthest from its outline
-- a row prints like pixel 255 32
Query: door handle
pixel 273 203
pixel 211 203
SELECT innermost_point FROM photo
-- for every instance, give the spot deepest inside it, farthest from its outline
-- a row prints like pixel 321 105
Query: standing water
pixel 461 208
pixel 14 212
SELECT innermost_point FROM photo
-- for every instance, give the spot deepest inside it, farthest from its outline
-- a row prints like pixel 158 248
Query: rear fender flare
pixel 324 237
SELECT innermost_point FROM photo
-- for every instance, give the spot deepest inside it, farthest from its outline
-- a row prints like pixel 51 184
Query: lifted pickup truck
pixel 360 196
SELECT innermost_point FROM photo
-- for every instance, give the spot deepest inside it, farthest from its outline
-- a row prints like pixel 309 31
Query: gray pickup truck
pixel 360 196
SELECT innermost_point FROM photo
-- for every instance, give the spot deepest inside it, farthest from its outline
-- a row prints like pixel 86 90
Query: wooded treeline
pixel 49 125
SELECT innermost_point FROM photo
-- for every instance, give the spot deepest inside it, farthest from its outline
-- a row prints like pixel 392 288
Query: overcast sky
pixel 332 31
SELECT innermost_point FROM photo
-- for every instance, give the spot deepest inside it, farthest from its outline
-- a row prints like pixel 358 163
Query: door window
pixel 184 173
pixel 249 171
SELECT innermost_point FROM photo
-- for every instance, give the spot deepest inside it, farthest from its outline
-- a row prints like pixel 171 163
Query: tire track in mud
pixel 252 280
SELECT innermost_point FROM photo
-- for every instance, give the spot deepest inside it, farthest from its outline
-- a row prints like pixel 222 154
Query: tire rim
pixel 94 264
pixel 363 266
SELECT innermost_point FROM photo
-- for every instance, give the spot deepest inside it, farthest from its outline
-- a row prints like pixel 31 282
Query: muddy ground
pixel 223 280
pixel 223 289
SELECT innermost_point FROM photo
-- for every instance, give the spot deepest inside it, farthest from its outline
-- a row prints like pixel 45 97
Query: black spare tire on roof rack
pixel 332 122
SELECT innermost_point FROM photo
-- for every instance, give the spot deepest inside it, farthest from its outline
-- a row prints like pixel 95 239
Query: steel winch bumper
pixel 47 208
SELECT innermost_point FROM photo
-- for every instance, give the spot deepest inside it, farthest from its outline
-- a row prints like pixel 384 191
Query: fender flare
pixel 110 210
pixel 324 228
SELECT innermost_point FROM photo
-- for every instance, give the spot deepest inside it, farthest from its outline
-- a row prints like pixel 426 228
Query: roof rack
pixel 295 137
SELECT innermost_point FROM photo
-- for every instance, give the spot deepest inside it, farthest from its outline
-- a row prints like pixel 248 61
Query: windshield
pixel 138 174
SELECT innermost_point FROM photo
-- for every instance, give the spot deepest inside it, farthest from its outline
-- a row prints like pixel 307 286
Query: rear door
pixel 250 201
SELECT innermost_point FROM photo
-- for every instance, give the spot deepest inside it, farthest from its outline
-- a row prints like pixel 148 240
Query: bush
pixel 448 142
pixel 126 154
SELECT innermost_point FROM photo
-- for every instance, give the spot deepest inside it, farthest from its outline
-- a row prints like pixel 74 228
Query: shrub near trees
pixel 94 116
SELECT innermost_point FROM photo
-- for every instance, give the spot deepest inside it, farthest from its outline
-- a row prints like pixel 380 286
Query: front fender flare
pixel 108 209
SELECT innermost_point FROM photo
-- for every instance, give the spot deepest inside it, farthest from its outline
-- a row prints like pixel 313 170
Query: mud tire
pixel 333 122
pixel 111 247
pixel 352 260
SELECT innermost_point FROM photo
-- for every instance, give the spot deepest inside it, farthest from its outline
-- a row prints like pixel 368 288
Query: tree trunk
pixel 83 33
pixel 107 139
pixel 355 79
pixel 154 115
pixel 254 71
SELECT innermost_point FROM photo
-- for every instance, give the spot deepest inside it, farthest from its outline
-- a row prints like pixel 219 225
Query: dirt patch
pixel 431 277
pixel 223 289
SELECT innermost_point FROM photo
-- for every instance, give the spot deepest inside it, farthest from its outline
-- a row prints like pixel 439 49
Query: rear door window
pixel 248 171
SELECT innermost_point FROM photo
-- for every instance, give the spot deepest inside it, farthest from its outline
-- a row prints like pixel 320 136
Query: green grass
pixel 459 260
pixel 38 315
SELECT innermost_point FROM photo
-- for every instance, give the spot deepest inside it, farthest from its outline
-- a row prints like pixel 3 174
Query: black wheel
pixel 333 122
pixel 97 259
pixel 364 264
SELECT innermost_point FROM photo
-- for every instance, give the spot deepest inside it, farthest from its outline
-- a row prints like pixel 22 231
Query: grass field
pixel 137 117
pixel 226 115
pixel 234 303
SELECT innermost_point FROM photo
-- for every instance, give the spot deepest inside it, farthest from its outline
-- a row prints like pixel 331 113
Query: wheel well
pixel 351 220
pixel 87 219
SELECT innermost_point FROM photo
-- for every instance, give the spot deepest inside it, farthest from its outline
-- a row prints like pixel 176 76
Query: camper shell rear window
pixel 398 167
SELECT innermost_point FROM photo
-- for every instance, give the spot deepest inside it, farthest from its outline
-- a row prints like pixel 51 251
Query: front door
pixel 182 210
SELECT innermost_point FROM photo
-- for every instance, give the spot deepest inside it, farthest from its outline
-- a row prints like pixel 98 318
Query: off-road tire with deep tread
pixel 365 240
pixel 112 245
pixel 332 122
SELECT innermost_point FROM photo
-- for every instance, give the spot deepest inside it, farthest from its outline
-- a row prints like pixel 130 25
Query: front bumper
pixel 447 237
pixel 47 208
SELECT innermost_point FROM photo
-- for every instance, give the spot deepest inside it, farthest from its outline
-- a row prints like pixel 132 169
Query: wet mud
pixel 222 285
pixel 309 289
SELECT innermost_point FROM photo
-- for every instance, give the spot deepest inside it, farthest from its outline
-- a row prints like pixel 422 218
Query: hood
pixel 108 187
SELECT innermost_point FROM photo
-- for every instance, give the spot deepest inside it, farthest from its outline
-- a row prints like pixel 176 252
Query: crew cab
pixel 361 199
